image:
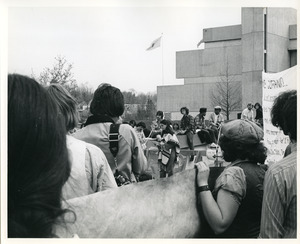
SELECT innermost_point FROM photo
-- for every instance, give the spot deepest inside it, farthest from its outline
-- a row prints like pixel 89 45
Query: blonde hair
pixel 66 104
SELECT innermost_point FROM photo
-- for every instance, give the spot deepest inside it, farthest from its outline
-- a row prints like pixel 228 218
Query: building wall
pixel 209 62
pixel 222 33
pixel 192 96
pixel 278 32
pixel 244 51
pixel 252 54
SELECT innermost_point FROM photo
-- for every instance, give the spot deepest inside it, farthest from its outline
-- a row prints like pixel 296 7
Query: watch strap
pixel 203 188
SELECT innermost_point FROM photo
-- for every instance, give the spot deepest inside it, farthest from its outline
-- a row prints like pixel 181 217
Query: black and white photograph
pixel 148 120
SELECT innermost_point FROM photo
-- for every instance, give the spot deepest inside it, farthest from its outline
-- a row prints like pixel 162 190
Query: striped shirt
pixel 279 211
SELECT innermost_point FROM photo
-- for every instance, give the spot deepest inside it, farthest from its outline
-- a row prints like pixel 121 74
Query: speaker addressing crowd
pixel 47 165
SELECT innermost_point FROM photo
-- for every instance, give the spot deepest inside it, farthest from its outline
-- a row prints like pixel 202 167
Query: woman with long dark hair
pixel 38 163
pixel 233 209
pixel 169 147
pixel 259 114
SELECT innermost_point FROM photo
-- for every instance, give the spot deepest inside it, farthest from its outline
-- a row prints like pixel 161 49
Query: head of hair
pixel 132 122
pixel 160 113
pixel 66 104
pixel 168 129
pixel 186 110
pixel 257 104
pixel 141 124
pixel 284 113
pixel 38 163
pixel 233 150
pixel 202 110
pixel 107 100
pixel 176 125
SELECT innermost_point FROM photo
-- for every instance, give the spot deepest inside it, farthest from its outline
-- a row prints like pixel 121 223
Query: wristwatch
pixel 203 188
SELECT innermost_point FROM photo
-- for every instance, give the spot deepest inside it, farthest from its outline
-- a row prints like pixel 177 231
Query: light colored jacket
pixel 90 171
pixel 130 158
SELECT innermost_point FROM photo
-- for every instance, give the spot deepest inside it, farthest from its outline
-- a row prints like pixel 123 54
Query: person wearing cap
pixel 248 113
pixel 205 134
pixel 216 119
pixel 279 209
pixel 233 208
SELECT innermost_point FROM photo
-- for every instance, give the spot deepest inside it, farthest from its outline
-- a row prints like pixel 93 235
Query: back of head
pixel 37 159
pixel 141 124
pixel 284 113
pixel 66 104
pixel 107 100
pixel 241 139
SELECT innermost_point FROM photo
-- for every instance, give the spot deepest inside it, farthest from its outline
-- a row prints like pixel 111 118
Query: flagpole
pixel 162 59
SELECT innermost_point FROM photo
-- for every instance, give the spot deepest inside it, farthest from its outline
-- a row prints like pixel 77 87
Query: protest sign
pixel 273 84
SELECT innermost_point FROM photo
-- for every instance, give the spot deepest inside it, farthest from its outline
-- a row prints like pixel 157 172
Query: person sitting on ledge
pixel 206 135
pixel 233 209
pixel 187 128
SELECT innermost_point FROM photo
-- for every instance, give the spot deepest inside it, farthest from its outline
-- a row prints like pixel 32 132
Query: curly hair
pixel 233 150
pixel 284 113
pixel 186 110
pixel 38 163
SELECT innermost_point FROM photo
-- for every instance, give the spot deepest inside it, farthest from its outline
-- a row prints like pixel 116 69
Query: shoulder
pixel 94 151
pixel 233 180
pixel 286 165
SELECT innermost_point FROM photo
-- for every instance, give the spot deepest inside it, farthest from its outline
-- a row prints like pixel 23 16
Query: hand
pixel 203 173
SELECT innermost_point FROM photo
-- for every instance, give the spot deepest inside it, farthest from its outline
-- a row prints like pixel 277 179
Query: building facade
pixel 266 40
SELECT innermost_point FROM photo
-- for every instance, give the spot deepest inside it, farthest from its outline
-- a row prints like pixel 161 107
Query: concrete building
pixel 266 40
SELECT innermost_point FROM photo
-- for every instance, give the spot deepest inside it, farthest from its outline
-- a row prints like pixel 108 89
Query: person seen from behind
pixel 38 165
pixel 90 171
pixel 233 208
pixel 124 152
pixel 279 210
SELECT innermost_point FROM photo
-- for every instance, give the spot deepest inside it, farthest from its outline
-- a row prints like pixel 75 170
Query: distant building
pixel 266 40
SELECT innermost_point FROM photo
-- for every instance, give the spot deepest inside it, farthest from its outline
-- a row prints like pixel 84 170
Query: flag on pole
pixel 200 43
pixel 154 44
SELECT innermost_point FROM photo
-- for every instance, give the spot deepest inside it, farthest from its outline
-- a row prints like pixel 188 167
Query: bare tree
pixel 227 93
pixel 60 73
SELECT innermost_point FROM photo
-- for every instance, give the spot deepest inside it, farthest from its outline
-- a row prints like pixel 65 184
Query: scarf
pixel 94 119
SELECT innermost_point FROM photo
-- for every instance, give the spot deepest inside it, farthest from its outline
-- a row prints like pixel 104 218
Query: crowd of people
pixel 48 163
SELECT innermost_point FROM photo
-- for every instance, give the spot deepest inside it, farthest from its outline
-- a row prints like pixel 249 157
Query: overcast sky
pixel 108 44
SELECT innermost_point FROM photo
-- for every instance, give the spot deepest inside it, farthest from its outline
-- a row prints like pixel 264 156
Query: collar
pixel 94 119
